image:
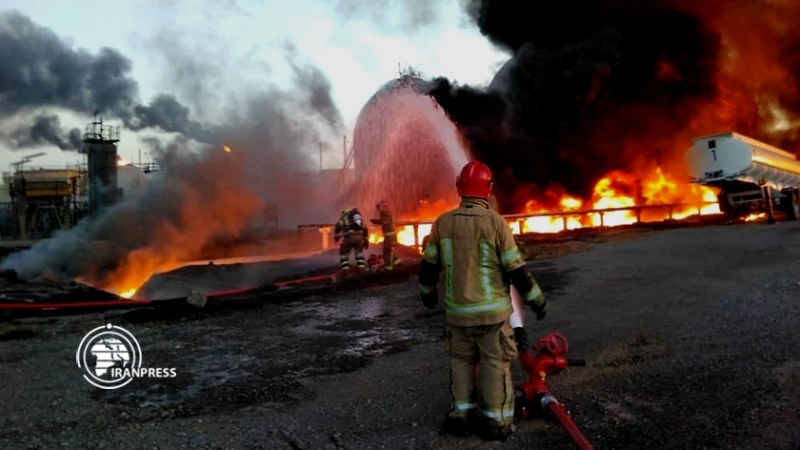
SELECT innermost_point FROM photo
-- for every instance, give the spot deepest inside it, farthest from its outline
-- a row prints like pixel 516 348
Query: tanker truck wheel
pixel 793 209
pixel 725 207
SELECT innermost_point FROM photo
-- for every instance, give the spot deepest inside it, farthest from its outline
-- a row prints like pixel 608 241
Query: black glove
pixel 540 309
pixel 431 299
pixel 522 339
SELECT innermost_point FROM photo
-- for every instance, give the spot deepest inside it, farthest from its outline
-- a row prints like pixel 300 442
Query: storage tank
pixel 364 156
pixel 406 150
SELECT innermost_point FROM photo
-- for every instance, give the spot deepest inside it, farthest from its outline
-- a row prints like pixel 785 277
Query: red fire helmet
pixel 475 180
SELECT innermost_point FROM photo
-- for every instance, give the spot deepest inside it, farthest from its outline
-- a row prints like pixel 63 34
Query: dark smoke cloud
pixel 46 130
pixel 41 70
pixel 316 88
pixel 407 16
pixel 203 193
pixel 404 15
pixel 598 85
pixel 194 70
pixel 198 198
pixel 168 114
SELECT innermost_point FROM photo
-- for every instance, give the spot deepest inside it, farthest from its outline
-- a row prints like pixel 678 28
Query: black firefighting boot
pixel 458 426
pixel 495 432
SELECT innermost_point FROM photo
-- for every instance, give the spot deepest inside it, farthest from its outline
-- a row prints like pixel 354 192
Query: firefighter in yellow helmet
pixel 353 232
pixel 476 248
pixel 386 221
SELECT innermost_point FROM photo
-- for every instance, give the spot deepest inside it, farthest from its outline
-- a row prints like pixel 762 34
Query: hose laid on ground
pixel 551 405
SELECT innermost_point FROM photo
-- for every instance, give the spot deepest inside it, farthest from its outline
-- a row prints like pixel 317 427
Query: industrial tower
pixel 100 146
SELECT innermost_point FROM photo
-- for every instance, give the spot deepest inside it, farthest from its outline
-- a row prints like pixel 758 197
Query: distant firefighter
pixel 386 221
pixel 355 236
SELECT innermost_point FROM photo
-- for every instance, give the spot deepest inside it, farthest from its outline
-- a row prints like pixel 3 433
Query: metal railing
pixel 565 215
pixel 602 212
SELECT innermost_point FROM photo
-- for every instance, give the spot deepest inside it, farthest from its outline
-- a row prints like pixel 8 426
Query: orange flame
pixel 755 216
pixel 616 190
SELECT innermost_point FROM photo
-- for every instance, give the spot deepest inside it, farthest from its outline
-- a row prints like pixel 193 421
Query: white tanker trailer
pixel 752 176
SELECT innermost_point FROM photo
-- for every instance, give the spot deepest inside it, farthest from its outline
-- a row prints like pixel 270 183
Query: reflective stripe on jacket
pixel 474 246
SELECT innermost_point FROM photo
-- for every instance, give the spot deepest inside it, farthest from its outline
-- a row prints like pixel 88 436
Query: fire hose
pixel 533 395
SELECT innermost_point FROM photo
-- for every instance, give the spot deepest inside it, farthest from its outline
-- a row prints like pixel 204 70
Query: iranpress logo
pixel 111 357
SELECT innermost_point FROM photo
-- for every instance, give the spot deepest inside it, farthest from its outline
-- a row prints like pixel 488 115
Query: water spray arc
pixel 405 148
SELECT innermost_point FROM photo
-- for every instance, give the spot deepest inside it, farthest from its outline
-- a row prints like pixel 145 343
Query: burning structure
pixel 595 109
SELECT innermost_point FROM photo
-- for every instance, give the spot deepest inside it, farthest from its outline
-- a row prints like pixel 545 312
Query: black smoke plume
pixel 203 195
pixel 47 129
pixel 315 87
pixel 598 85
pixel 41 70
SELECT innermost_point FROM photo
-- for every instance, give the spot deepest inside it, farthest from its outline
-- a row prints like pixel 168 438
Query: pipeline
pixel 331 277
pixel 76 305
pixel 554 407
pixel 124 304
pixel 137 303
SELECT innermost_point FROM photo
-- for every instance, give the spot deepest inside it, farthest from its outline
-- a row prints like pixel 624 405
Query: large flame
pixel 659 194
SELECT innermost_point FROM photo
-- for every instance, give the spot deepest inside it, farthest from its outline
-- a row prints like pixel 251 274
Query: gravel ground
pixel 690 335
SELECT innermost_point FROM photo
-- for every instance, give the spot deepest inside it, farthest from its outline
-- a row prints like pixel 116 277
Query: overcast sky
pixel 234 46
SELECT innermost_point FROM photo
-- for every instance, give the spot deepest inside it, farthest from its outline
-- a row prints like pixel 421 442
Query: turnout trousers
pixel 480 372
pixel 353 242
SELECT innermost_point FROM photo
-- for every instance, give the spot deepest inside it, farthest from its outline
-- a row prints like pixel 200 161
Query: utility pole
pixel 320 156
pixel 344 150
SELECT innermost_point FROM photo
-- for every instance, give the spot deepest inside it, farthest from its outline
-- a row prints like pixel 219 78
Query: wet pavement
pixel 690 337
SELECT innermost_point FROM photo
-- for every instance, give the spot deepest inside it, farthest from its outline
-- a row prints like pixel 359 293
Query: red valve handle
pixel 554 343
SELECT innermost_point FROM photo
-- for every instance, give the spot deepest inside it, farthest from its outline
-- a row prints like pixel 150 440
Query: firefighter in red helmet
pixel 386 221
pixel 476 248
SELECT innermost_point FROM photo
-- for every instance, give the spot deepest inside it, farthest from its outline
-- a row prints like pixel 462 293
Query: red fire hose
pixel 551 405
pixel 534 394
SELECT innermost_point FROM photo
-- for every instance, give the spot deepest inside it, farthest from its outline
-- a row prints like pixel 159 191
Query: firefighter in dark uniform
pixel 353 232
pixel 476 250
pixel 386 221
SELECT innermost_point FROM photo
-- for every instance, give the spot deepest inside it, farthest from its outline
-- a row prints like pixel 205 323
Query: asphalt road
pixel 691 337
